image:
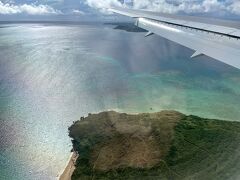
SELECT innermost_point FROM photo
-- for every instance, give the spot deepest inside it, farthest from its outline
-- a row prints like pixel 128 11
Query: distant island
pixel 163 145
pixel 129 27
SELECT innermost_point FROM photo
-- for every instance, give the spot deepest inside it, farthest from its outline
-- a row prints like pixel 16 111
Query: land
pixel 69 169
pixel 129 27
pixel 163 145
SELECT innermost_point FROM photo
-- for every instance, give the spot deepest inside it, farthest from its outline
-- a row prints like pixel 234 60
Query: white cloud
pixel 77 12
pixel 182 5
pixel 174 6
pixel 235 7
pixel 27 8
pixel 102 5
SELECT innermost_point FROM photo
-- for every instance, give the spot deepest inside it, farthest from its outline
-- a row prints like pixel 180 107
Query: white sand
pixel 70 167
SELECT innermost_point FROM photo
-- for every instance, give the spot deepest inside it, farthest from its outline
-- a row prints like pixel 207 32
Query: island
pixel 163 145
pixel 128 27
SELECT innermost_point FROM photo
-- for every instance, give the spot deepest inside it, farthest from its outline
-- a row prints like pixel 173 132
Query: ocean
pixel 51 74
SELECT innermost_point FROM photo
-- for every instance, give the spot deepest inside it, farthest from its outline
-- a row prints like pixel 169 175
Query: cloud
pixel 182 6
pixel 235 7
pixel 102 5
pixel 31 9
pixel 187 6
pixel 175 6
pixel 78 12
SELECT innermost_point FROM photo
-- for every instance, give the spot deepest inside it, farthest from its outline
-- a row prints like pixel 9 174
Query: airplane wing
pixel 215 38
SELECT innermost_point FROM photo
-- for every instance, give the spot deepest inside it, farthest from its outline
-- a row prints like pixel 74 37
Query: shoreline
pixel 70 167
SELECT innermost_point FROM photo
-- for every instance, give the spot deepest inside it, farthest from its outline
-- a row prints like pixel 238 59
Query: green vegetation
pixel 165 145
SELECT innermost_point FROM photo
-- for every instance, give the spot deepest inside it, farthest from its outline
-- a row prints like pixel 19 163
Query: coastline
pixel 70 167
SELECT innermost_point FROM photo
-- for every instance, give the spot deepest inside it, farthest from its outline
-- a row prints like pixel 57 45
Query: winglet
pixel 196 54
pixel 149 34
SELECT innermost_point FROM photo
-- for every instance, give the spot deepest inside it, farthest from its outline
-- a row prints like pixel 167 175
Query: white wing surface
pixel 215 38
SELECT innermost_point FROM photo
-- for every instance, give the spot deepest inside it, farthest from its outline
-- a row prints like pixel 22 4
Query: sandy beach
pixel 70 167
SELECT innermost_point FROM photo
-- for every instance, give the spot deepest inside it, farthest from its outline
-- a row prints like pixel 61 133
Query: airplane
pixel 218 39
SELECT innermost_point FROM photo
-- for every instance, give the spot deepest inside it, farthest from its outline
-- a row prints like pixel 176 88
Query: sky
pixel 95 10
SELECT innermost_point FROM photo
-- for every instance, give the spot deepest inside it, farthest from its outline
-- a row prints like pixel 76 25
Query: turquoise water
pixel 51 75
